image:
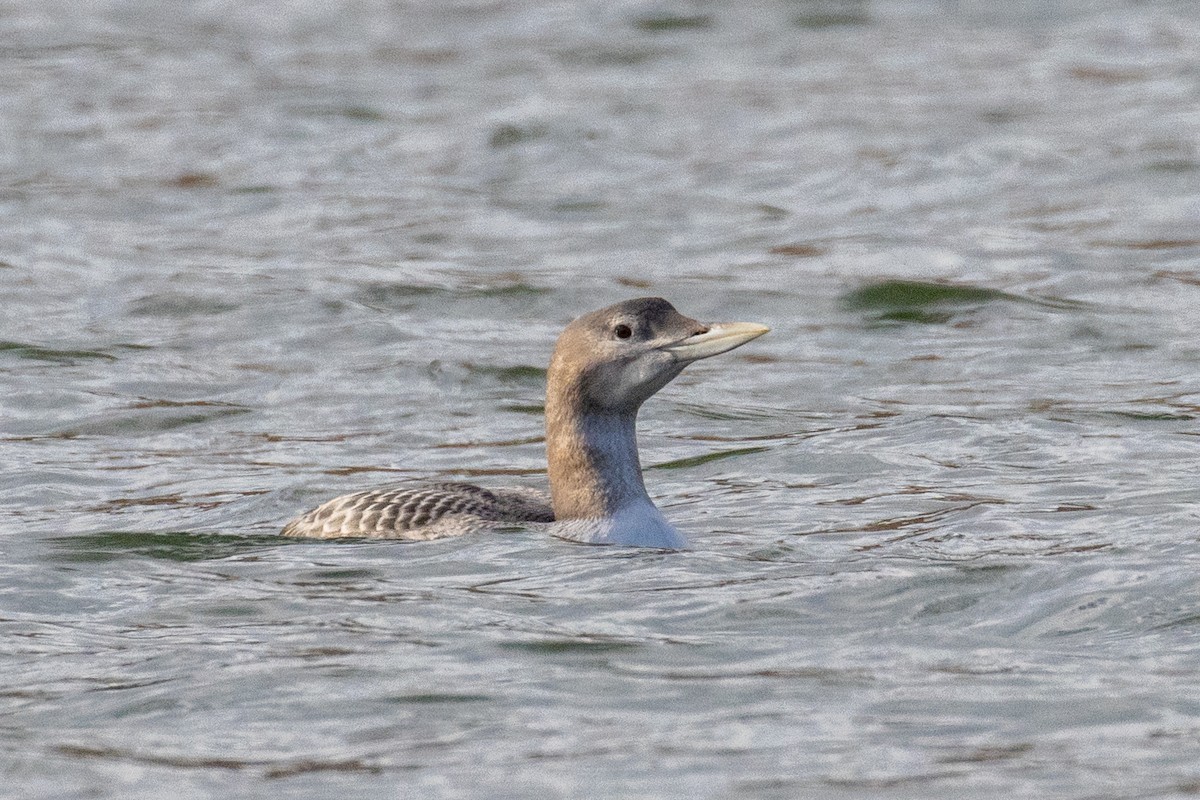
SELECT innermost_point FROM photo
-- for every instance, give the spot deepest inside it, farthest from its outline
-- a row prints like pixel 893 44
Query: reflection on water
pixel 944 518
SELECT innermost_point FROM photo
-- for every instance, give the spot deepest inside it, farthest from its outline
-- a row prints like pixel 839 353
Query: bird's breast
pixel 638 524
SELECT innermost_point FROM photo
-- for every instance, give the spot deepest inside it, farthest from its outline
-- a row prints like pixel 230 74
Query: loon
pixel 605 365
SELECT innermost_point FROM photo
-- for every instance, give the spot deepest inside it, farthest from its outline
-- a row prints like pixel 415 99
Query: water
pixel 946 518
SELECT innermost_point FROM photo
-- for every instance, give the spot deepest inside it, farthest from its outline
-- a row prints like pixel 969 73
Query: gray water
pixel 945 517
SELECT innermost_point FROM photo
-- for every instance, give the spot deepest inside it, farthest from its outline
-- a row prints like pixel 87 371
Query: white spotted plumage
pixel 420 511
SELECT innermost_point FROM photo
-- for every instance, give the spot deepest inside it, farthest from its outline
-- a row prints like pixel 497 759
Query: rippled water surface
pixel 945 517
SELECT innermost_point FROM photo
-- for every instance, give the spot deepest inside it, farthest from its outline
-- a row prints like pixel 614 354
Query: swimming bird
pixel 605 365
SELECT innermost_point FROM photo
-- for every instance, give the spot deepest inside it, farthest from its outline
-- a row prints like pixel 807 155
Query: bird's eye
pixel 622 331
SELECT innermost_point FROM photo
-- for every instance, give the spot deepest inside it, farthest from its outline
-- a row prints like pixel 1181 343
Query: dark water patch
pixel 918 301
pixel 580 645
pixel 269 768
pixel 318 653
pixel 898 295
pixel 1151 416
pixel 1068 549
pixel 769 788
pixel 360 469
pixel 483 472
pixel 232 610
pixel 489 444
pixel 402 296
pixel 348 574
pixel 1003 116
pixel 53 355
pixel 1147 244
pixel 1169 409
pixel 800 250
pixel 155 402
pixel 521 373
pixel 579 206
pixel 603 55
pixel 1186 621
pixel 932 302
pixel 431 237
pixel 1174 166
pixel 120 685
pixel 351 112
pixel 824 675
pixel 773 553
pixel 192 180
pixel 428 55
pixel 1190 278
pixel 515 290
pixel 667 22
pixel 437 698
pixel 946 605
pixel 845 15
pixel 508 134
pixel 1108 76
pixel 181 546
pixel 760 358
pixel 150 417
pixel 538 409
pixel 772 212
pixel 277 437
pixel 180 305
pixel 396 296
pixel 719 455
pixel 762 437
pixel 308 766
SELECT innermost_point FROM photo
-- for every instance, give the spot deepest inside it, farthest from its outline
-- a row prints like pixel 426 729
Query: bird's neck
pixel 592 458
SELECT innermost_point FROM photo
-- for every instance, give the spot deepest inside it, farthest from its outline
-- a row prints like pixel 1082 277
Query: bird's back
pixel 420 511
